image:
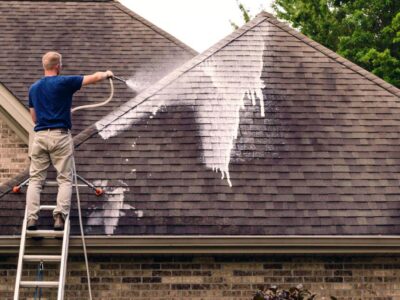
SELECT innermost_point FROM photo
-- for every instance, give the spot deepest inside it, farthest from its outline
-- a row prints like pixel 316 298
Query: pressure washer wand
pixel 119 78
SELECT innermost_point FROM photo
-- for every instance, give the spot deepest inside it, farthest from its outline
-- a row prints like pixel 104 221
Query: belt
pixel 64 130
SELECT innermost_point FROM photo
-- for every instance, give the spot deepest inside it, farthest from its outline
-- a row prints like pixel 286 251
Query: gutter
pixel 215 244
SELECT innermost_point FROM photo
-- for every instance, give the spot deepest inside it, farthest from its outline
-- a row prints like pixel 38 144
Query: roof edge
pixel 335 56
pixel 157 29
pixel 221 244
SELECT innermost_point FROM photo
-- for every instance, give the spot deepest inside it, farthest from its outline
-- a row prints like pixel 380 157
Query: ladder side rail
pixel 64 259
pixel 21 256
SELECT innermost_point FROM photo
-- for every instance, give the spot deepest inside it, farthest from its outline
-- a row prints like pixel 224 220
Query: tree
pixel 245 14
pixel 367 32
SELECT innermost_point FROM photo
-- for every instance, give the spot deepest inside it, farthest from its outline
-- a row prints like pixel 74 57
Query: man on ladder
pixel 50 101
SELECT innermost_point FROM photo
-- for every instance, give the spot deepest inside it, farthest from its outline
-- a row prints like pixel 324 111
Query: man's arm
pixel 33 114
pixel 95 77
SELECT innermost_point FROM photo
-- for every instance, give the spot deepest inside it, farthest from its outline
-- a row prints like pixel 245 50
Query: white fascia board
pixel 219 244
pixel 15 114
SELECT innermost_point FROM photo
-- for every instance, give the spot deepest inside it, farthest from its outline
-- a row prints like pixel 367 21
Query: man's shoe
pixel 32 224
pixel 58 222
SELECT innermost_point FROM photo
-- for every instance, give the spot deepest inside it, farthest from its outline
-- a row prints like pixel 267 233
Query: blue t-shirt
pixel 51 97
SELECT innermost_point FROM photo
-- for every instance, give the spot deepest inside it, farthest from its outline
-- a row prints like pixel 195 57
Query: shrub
pixel 294 293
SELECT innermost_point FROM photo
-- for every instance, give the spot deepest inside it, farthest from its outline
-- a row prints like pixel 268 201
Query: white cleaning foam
pixel 111 211
pixel 231 91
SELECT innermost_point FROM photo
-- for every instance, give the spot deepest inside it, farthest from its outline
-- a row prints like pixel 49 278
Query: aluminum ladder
pixel 62 259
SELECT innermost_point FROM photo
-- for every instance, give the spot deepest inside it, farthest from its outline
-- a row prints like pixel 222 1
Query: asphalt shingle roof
pixel 303 142
pixel 92 36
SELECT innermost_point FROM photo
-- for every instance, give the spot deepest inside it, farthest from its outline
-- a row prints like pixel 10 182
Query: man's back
pixel 51 97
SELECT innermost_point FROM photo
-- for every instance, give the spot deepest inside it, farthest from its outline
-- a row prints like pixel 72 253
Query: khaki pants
pixel 55 147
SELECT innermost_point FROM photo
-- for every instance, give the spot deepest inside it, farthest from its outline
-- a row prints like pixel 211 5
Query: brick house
pixel 267 159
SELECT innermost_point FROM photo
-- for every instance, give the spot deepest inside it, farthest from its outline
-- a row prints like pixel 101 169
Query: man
pixel 50 101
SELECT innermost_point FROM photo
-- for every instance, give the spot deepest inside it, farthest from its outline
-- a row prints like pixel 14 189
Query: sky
pixel 198 23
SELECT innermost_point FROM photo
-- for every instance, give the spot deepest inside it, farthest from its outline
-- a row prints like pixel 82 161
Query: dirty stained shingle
pixel 322 160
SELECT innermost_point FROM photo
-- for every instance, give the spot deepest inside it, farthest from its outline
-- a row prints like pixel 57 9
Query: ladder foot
pixel 99 191
pixel 16 189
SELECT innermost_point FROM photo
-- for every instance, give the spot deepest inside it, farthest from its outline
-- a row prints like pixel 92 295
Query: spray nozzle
pixel 119 79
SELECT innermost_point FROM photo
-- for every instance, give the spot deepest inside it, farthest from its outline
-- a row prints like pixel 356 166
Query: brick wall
pixel 218 277
pixel 13 153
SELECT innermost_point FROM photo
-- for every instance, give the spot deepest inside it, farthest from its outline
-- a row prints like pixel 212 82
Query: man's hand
pixel 98 76
pixel 109 74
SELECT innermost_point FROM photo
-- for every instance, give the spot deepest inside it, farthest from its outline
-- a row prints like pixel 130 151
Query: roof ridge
pixel 157 29
pixel 330 53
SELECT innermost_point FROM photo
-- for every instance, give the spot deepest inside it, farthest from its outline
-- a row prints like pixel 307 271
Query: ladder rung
pixel 45 233
pixel 47 207
pixel 38 258
pixel 55 183
pixel 39 284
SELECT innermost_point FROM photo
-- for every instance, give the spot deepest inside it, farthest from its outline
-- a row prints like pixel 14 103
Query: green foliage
pixel 365 32
pixel 234 25
pixel 245 14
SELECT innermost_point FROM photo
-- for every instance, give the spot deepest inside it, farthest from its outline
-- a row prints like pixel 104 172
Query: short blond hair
pixel 51 59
